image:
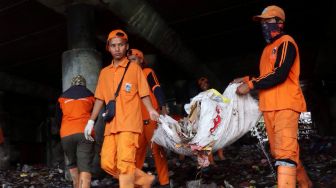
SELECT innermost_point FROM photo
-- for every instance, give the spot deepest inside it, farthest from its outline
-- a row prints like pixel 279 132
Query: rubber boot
pixel 84 180
pixel 142 179
pixel 74 177
pixel 126 180
pixel 286 177
pixel 302 177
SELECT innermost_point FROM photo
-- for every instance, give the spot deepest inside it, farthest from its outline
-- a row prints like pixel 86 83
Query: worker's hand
pixel 88 130
pixel 154 115
pixel 243 89
pixel 238 80
pixel 164 110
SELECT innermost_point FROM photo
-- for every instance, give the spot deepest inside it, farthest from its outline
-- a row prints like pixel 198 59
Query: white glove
pixel 88 130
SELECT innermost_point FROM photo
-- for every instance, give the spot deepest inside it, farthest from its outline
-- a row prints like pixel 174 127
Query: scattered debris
pixel 245 166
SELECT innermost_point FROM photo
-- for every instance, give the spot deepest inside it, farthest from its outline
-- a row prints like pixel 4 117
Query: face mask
pixel 270 30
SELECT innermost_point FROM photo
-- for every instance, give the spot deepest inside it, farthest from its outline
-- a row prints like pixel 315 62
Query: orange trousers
pixel 118 160
pixel 158 153
pixel 118 153
pixel 282 128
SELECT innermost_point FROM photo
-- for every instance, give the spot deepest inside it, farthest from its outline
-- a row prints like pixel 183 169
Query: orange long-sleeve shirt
pixel 279 77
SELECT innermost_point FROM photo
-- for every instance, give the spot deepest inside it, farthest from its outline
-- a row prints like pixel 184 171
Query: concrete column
pixel 81 58
pixel 80 26
pixel 86 62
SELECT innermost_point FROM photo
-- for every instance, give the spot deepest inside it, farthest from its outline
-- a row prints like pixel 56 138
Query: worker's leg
pixel 302 177
pixel 108 155
pixel 141 151
pixel 159 155
pixel 69 145
pixel 282 126
pixel 127 144
pixel 85 153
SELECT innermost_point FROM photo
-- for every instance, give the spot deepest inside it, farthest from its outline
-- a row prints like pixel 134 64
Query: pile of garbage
pixel 245 165
pixel 214 121
pixel 33 177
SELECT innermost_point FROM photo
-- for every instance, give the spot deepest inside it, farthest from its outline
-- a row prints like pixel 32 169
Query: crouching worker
pixel 280 97
pixel 157 98
pixel 74 109
pixel 125 84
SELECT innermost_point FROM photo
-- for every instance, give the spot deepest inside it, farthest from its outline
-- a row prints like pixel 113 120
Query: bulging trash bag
pixel 213 122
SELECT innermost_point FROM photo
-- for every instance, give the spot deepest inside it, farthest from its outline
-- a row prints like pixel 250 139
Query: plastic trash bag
pixel 214 121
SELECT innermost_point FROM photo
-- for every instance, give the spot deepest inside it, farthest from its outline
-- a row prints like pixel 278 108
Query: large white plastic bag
pixel 166 136
pixel 242 114
pixel 205 122
pixel 237 116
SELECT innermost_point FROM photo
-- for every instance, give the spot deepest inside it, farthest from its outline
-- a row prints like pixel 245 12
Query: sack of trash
pixel 213 122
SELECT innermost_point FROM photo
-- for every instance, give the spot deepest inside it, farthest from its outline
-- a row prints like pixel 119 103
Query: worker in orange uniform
pixel 203 85
pixel 158 100
pixel 73 111
pixel 123 130
pixel 280 97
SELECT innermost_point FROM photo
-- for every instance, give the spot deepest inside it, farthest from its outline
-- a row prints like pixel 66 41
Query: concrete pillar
pixel 80 26
pixel 81 58
pixel 86 62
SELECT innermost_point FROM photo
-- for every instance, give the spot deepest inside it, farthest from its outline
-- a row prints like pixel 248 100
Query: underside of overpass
pixel 182 40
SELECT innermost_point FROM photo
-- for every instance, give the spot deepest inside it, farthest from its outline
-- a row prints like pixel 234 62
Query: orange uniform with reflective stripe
pixel 128 103
pixel 287 95
pixel 282 102
pixel 76 113
pixel 146 137
pixel 145 114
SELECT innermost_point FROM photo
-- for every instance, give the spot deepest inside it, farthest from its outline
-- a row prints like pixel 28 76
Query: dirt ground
pixel 245 165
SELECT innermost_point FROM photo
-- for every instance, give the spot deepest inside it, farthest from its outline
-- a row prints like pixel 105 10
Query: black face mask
pixel 270 30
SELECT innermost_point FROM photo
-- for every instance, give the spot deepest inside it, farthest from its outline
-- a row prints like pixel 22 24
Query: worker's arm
pixel 284 61
pixel 156 88
pixel 152 112
pixel 96 109
pixel 89 126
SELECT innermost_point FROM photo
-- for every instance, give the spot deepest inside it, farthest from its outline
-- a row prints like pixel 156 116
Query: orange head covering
pixel 271 12
pixel 138 54
pixel 118 33
pixel 135 52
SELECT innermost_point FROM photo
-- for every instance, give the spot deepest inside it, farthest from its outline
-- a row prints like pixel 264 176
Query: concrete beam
pixel 147 23
pixel 144 21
